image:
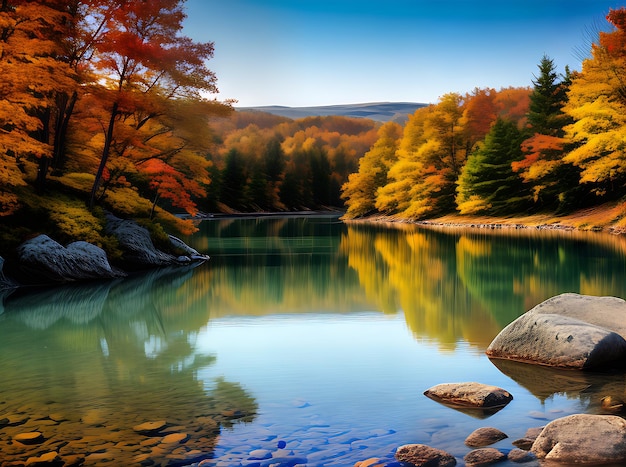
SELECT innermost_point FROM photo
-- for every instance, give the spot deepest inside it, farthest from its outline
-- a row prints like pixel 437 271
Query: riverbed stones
pixel 583 438
pixel 421 455
pixel 484 436
pixel 469 394
pixel 120 438
pixel 567 331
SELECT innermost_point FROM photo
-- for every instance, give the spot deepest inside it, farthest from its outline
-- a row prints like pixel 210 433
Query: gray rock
pixel 44 260
pixel 484 437
pixel 423 455
pixel 583 438
pixel 567 331
pixel 483 456
pixel 469 395
pixel 138 249
pixel 191 252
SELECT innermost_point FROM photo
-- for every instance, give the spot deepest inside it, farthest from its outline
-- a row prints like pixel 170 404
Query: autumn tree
pixel 422 181
pixel 32 38
pixel 480 111
pixel 146 63
pixel 360 189
pixel 597 105
pixel 487 183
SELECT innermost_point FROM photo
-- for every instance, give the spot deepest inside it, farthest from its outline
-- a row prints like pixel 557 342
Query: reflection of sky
pixel 305 52
pixel 358 372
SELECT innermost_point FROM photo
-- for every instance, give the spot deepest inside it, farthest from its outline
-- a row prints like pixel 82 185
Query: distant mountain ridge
pixel 379 111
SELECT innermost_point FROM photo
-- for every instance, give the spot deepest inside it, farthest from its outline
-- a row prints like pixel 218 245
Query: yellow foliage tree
pixel 360 189
pixel 597 103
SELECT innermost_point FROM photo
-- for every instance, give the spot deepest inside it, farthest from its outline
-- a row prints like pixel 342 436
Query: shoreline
pixel 603 219
pixel 607 218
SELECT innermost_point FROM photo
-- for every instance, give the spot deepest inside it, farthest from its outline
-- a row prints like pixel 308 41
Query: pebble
pixel 175 438
pixel 31 437
pixel 150 427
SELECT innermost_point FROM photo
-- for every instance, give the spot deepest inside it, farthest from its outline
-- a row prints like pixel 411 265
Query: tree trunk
pixel 105 156
pixel 65 108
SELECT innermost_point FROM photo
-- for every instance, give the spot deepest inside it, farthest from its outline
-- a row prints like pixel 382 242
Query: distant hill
pixel 379 111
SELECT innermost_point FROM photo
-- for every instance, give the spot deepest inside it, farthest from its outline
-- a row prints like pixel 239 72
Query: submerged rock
pixel 567 331
pixel 583 439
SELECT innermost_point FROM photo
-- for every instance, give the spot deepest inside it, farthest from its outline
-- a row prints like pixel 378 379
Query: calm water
pixel 306 339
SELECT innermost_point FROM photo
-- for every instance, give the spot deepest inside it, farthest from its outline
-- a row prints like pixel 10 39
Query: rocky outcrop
pixel 583 439
pixel 567 331
pixel 43 260
pixel 135 242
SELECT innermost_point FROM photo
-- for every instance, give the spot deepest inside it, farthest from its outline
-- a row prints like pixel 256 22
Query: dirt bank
pixel 606 218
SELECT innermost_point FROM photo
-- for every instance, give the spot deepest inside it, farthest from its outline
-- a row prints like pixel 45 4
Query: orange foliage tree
pixel 145 64
pixel 32 37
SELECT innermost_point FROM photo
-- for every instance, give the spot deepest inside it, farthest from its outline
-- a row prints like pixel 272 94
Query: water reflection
pixel 85 364
pixel 461 284
pixel 93 361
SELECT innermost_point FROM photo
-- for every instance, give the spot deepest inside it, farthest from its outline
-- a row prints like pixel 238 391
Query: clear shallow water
pixel 306 339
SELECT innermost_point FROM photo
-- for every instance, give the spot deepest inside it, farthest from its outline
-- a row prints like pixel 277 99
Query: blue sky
pixel 324 52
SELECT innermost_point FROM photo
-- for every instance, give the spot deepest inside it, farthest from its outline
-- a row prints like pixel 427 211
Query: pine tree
pixel 487 183
pixel 553 182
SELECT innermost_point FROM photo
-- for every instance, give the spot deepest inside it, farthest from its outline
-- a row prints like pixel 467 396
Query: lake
pixel 303 341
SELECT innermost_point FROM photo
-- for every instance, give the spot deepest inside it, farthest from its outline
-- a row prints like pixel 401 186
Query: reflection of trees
pixel 469 284
pixel 510 273
pixel 275 265
pixel 113 355
pixel 414 270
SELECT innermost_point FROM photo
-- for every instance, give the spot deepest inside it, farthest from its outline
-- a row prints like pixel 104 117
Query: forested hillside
pixel 556 147
pixel 263 162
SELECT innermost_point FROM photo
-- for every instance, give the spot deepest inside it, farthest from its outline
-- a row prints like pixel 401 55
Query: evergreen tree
pixel 545 114
pixel 487 183
pixel 554 184
pixel 234 180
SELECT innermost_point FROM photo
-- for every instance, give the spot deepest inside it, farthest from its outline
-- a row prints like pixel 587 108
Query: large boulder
pixel 135 242
pixel 583 439
pixel 43 260
pixel 567 331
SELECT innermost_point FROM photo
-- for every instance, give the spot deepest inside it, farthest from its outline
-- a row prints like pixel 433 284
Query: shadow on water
pixel 602 393
pixel 86 365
